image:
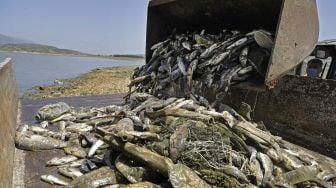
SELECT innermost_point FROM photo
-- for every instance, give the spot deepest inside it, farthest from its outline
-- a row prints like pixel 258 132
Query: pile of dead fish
pixel 203 64
pixel 177 142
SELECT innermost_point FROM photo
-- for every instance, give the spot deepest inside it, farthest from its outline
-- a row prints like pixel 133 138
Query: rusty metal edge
pixel 153 3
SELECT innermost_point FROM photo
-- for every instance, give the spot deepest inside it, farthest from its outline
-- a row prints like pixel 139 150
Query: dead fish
pixel 181 66
pixel 97 178
pixel 301 174
pixel 76 163
pixel 239 42
pixel 243 59
pixel 186 45
pixel 245 70
pixel 234 172
pixel 78 128
pixel 45 132
pixel 30 141
pixel 143 135
pixel 87 139
pixel 290 161
pixel 44 124
pixel 52 111
pixel 70 172
pixel 94 147
pixel 53 180
pixel 229 119
pixel 177 141
pixel 64 117
pixel 218 58
pixel 192 56
pixel 257 172
pixel 209 51
pixel 182 113
pixel 151 159
pixel 125 124
pixel 75 151
pixel 132 174
pixel 274 155
pixel 326 175
pixel 61 160
pixel 253 153
pixel 182 176
pixel 264 39
pixel 267 166
pixel 143 185
pixel 159 45
pixel 191 69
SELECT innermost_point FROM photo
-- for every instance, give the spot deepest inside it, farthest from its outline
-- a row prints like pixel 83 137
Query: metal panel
pixel 300 109
pixel 296 37
pixel 8 113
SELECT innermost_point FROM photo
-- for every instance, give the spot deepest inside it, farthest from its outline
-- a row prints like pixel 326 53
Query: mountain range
pixel 12 44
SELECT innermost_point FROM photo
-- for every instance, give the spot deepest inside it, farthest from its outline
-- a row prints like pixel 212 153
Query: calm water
pixel 38 70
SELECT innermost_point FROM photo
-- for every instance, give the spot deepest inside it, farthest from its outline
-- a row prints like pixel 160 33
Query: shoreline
pixel 74 55
pixel 99 81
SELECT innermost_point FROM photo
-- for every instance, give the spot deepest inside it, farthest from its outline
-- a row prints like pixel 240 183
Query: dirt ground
pixel 102 81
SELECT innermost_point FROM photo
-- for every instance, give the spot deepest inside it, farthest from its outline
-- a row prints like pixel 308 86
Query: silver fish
pixel 77 151
pixel 290 161
pixel 218 58
pixel 76 163
pixel 243 56
pixel 70 172
pixel 209 50
pixel 30 141
pixel 61 160
pixel 186 45
pixel 144 135
pixel 181 66
pixel 131 173
pixel 44 124
pixel 94 179
pixel 53 180
pixel 78 127
pixel 267 166
pixel 45 132
pixel 159 45
pixel 234 172
pixel 301 174
pixel 52 111
pixel 94 147
pixel 182 176
pixel 238 43
pixel 177 141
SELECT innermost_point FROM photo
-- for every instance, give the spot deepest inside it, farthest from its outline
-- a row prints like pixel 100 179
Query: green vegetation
pixel 45 49
pixel 37 48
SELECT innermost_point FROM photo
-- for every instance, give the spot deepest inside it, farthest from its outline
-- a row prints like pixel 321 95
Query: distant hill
pixel 37 48
pixel 11 40
pixel 12 44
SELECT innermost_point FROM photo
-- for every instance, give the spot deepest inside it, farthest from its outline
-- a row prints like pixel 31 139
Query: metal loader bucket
pixel 295 23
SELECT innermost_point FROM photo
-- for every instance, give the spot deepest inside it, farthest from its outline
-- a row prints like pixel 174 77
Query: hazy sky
pixel 98 26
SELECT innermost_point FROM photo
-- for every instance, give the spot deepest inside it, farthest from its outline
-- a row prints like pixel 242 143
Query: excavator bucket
pixel 294 22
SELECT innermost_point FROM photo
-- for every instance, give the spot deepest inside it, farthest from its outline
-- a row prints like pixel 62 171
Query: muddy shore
pixel 100 81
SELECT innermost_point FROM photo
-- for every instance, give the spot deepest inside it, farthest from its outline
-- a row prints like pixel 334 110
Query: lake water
pixel 38 70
